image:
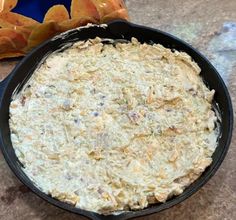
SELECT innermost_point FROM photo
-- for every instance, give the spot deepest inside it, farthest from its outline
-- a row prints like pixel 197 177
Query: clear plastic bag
pixel 20 33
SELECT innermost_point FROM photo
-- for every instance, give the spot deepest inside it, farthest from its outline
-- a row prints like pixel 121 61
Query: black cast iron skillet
pixel 116 30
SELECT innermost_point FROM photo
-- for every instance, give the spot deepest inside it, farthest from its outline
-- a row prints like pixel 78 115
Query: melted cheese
pixel 111 128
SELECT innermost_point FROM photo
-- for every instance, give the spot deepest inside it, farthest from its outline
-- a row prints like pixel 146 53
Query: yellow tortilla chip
pixel 15 19
pixel 5 24
pixel 121 4
pixel 24 31
pixel 57 13
pixel 75 22
pixel 119 14
pixel 16 38
pixel 8 48
pixel 6 44
pixel 106 7
pixel 41 33
pixel 11 54
pixel 84 8
pixel 7 5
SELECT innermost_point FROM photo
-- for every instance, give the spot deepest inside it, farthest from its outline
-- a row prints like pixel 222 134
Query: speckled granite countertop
pixel 210 26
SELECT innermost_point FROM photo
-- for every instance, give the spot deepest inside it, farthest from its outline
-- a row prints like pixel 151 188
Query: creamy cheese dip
pixel 114 127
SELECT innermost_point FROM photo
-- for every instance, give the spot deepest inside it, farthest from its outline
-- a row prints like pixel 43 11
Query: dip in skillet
pixel 113 127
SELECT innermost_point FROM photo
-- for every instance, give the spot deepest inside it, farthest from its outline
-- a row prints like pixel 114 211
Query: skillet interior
pixel 115 30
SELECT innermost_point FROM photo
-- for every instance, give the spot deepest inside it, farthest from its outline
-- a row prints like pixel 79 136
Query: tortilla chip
pixel 41 33
pixel 84 8
pixel 106 7
pixel 119 14
pixel 8 48
pixel 6 44
pixel 75 22
pixel 15 19
pixel 24 31
pixel 57 13
pixel 16 38
pixel 121 4
pixel 7 5
pixel 11 54
pixel 5 24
